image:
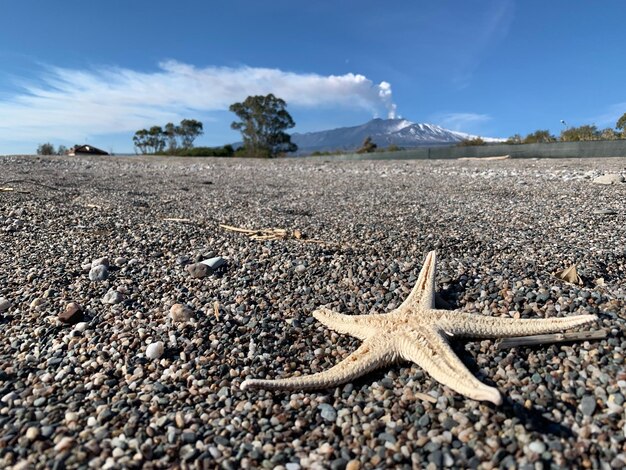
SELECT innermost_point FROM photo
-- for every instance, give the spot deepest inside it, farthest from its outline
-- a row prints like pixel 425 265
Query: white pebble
pixel 155 350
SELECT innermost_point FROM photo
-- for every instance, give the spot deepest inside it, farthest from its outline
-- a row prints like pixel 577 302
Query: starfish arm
pixel 429 349
pixel 423 293
pixel 479 326
pixel 359 326
pixel 369 356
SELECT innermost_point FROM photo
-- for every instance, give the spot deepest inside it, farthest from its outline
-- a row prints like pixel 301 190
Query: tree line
pixel 263 121
pixel 585 132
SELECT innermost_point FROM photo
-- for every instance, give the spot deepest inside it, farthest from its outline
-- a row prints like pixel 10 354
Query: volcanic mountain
pixel 384 132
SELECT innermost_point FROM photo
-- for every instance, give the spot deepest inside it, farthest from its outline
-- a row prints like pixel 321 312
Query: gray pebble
pixel 98 273
pixel 587 405
pixel 328 412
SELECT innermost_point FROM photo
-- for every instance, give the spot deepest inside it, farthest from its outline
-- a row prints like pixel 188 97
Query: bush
pixel 471 142
pixel 46 149
pixel 225 151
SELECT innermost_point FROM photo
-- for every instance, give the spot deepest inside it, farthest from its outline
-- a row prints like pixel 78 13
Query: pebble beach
pixel 119 348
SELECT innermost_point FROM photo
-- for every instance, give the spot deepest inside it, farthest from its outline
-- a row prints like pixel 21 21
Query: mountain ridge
pixel 384 132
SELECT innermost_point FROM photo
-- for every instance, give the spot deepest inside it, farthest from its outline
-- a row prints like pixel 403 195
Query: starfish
pixel 417 331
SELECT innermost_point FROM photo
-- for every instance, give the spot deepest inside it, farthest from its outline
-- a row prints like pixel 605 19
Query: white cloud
pixel 69 104
pixel 461 121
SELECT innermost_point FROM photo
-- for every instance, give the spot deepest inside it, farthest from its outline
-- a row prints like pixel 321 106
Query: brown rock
pixel 198 270
pixel 73 313
pixel 353 465
pixel 180 313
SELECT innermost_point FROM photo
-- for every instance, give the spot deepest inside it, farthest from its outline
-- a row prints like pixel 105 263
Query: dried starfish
pixel 417 332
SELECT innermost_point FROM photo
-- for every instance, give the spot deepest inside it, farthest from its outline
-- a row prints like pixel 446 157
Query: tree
pixel 171 132
pixel 539 137
pixel 150 141
pixel 62 150
pixel 45 149
pixel 621 124
pixel 368 146
pixel 575 134
pixel 156 139
pixel 514 139
pixel 609 134
pixel 264 120
pixel 188 130
pixel 140 139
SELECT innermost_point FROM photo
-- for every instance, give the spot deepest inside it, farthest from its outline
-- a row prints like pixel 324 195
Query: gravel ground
pixel 103 393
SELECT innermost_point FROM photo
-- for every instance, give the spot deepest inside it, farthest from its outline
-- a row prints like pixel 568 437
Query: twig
pixel 273 234
pixel 174 219
pixel 534 340
pixel 425 397
pixel 31 182
pixel 216 310
pixel 7 189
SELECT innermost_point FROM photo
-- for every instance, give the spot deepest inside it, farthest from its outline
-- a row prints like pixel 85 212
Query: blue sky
pixel 95 71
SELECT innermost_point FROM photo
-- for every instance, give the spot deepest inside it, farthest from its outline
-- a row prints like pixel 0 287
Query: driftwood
pixel 272 234
pixel 534 340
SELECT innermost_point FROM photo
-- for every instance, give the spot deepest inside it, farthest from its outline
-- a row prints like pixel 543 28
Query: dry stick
pixel 31 182
pixel 216 310
pixel 534 340
pixel 237 229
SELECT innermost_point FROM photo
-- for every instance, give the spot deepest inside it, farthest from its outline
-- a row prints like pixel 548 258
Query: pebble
pixel 198 270
pixel 155 350
pixel 32 433
pixel 120 261
pixel 73 313
pixel 327 412
pixel 180 313
pixel 99 273
pixel 537 447
pixel 64 444
pixel 214 263
pixel 4 304
pixel 112 297
pixel 587 405
pixel 104 261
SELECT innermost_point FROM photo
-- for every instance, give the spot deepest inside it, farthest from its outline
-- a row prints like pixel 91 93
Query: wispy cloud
pixel 69 104
pixel 465 122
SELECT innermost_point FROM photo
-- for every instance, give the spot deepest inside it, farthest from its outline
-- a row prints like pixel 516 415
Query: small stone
pixel 98 273
pixel 198 270
pixel 4 304
pixel 104 261
pixel 537 447
pixel 328 412
pixel 112 297
pixel 300 268
pixel 183 260
pixel 353 465
pixel 292 466
pixel 120 261
pixel 81 326
pixel 610 178
pixel 214 263
pixel 587 405
pixel 180 313
pixel 64 444
pixel 155 350
pixel 32 433
pixel 73 313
